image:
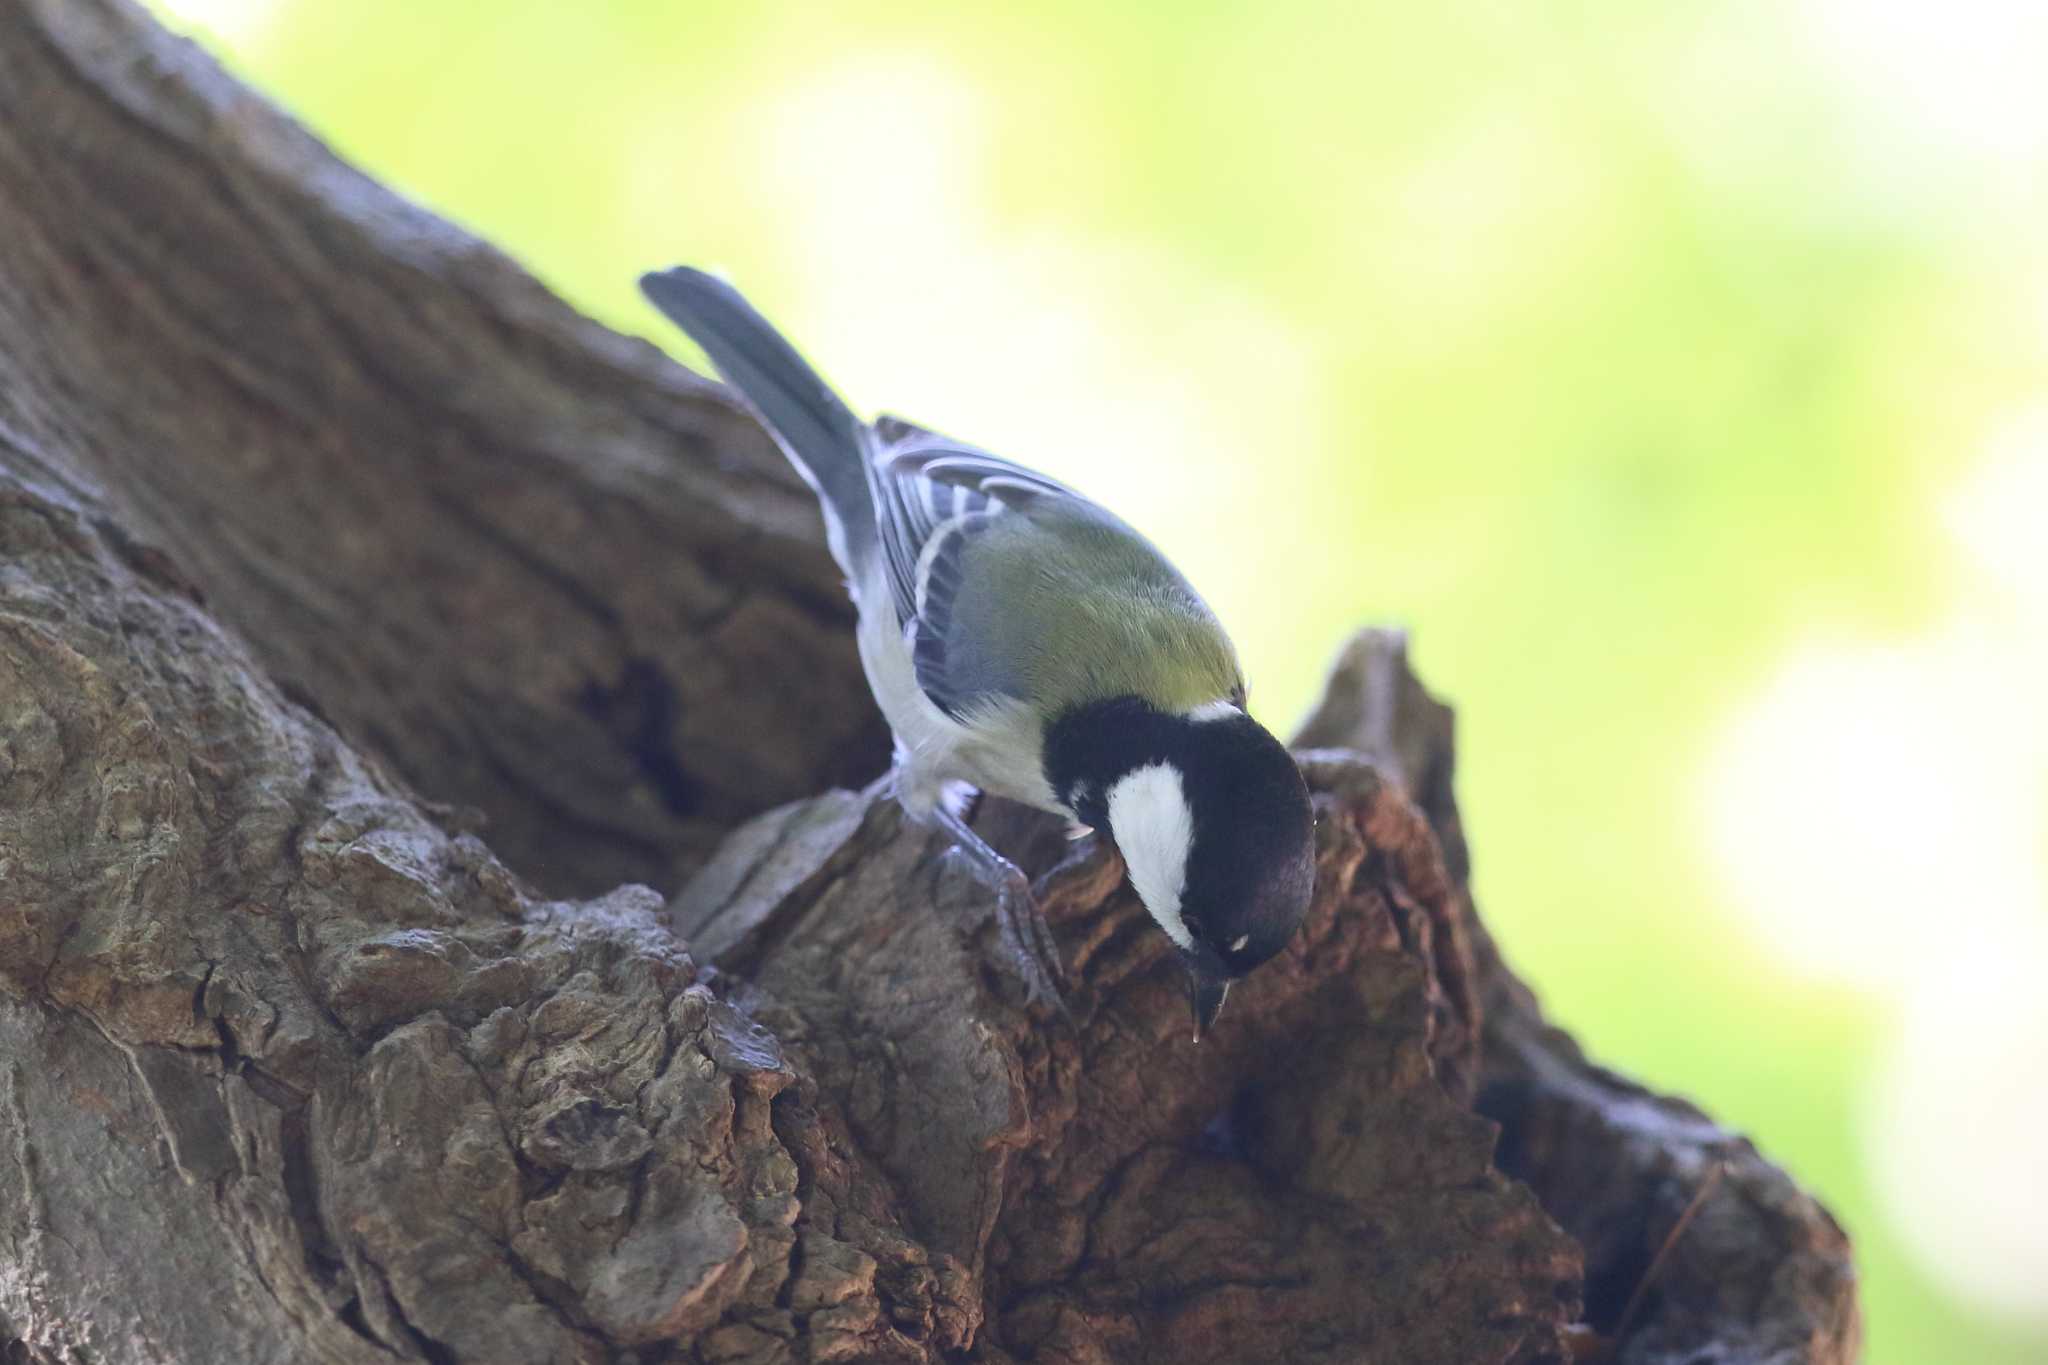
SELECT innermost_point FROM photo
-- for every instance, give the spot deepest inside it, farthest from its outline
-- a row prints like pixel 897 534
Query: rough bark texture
pixel 1762 1273
pixel 542 571
pixel 370 625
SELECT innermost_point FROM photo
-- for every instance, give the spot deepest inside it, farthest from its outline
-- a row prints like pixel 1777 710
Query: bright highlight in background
pixel 1676 371
pixel 1954 1122
pixel 1880 812
pixel 911 259
pixel 1878 801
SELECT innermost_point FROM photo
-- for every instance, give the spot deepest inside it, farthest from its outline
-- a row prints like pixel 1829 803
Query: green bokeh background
pixel 1615 348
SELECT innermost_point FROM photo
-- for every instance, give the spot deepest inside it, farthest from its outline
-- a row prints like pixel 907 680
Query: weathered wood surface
pixel 375 632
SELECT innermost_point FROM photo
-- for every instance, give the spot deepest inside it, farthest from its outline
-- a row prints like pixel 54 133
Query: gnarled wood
pixel 320 523
pixel 1762 1273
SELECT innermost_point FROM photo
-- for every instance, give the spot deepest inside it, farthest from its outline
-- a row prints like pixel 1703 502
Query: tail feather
pixel 826 442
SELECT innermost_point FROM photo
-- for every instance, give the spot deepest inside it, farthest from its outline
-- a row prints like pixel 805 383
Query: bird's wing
pixel 1010 584
pixel 931 495
pixel 935 500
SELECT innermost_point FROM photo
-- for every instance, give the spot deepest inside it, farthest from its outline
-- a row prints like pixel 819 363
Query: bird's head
pixel 1214 824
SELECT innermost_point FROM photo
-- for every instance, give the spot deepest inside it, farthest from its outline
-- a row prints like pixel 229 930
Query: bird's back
pixel 1066 605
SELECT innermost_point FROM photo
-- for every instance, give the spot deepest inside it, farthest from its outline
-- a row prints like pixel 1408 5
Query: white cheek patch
pixel 1154 826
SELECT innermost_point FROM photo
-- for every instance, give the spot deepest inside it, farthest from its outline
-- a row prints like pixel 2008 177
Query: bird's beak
pixel 1207 985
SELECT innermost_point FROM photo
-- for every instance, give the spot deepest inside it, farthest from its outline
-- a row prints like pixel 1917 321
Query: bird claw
pixel 1028 941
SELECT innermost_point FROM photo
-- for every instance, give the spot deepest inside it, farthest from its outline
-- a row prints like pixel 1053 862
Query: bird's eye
pixel 1237 945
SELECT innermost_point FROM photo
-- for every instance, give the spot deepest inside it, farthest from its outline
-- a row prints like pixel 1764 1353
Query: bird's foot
pixel 1026 937
pixel 1028 941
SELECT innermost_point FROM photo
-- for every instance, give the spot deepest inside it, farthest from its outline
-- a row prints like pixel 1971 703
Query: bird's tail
pixel 823 439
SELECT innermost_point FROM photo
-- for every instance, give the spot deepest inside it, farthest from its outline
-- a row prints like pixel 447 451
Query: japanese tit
pixel 1022 640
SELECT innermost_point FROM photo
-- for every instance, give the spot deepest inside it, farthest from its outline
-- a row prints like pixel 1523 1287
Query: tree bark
pixel 422 935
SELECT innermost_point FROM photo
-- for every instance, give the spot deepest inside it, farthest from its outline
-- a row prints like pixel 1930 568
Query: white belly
pixel 999 750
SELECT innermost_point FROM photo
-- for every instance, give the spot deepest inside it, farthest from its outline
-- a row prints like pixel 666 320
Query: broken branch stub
pixel 1763 1272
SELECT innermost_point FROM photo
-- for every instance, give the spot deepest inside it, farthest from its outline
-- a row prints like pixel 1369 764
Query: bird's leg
pixel 1026 936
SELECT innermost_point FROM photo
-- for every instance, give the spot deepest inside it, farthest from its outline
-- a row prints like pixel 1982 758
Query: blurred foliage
pixel 1614 348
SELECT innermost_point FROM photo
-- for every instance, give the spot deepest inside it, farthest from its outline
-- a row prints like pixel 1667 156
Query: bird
pixel 1023 641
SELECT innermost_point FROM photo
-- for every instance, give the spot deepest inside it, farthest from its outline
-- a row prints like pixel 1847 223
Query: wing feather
pixel 935 497
pixel 945 509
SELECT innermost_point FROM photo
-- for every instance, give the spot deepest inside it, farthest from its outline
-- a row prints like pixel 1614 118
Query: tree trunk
pixel 375 632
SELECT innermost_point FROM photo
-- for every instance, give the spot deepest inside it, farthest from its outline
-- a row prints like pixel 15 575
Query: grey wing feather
pixel 952 676
pixel 986 473
pixel 935 498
